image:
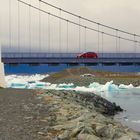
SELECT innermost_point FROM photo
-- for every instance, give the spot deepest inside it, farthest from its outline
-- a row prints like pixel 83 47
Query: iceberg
pixel 19 85
pixel 122 86
pixel 94 85
pixel 136 121
pixel 109 86
pixel 33 82
pixel 71 85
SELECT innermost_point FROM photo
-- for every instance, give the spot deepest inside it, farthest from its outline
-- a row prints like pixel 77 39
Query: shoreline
pixel 74 75
pixel 65 115
pixel 59 115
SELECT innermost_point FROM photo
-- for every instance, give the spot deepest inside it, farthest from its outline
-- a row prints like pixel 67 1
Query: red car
pixel 88 55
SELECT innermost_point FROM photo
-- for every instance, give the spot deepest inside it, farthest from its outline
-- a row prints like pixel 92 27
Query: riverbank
pixel 59 115
pixel 77 77
pixel 64 115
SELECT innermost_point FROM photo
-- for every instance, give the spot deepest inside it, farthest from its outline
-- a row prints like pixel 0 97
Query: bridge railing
pixel 67 55
pixel 39 55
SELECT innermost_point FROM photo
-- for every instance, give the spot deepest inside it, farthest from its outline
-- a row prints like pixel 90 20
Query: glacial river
pixel 128 98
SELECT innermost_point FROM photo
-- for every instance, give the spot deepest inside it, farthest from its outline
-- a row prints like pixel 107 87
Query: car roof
pixel 89 52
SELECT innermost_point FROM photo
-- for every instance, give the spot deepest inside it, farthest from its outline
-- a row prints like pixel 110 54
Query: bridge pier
pixel 2 74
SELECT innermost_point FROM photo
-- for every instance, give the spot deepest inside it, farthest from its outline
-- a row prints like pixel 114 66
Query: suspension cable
pixel 102 43
pixel 98 37
pixel 116 41
pixel 135 43
pixel 39 28
pixel 10 24
pixel 18 27
pixel 72 22
pixel 67 35
pixel 30 47
pixel 79 35
pixel 85 39
pixel 119 45
pixel 86 19
pixel 60 31
pixel 49 33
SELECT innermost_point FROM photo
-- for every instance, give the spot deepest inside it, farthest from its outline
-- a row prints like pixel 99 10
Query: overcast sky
pixel 122 14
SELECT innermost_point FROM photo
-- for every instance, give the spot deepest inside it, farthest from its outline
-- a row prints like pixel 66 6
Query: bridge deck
pixel 59 60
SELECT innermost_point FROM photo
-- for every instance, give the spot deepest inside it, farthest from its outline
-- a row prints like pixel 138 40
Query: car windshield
pixel 90 52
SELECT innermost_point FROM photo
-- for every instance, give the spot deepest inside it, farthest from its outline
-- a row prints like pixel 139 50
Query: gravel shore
pixel 59 115
pixel 64 115
pixel 20 112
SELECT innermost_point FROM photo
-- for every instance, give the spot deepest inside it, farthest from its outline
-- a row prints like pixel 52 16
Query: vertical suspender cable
pixel 39 29
pixel 79 34
pixel 60 32
pixel 136 50
pixel 49 33
pixel 85 39
pixel 10 25
pixel 119 45
pixel 102 44
pixel 19 27
pixel 67 37
pixel 30 47
pixel 134 45
pixel 98 38
pixel 116 41
pixel 86 19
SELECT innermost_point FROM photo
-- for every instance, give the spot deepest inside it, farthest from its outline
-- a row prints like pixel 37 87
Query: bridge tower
pixel 2 74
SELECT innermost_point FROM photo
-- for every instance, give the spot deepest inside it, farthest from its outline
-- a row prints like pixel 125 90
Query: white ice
pixel 33 82
pixel 23 81
pixel 136 121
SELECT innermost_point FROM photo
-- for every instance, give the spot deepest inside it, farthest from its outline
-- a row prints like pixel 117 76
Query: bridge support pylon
pixel 2 74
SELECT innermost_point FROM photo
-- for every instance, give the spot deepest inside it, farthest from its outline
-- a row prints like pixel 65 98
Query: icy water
pixel 128 97
pixel 129 100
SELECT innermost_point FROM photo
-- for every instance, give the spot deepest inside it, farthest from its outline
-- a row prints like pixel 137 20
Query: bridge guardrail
pixel 68 55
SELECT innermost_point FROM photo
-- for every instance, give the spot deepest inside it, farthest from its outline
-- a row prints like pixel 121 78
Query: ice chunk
pixel 32 82
pixel 136 121
pixel 83 89
pixel 122 86
pixel 24 81
pixel 19 85
pixel 94 85
pixel 109 86
pixel 71 85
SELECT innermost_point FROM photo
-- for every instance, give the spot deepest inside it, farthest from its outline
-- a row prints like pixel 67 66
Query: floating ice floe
pixel 109 86
pixel 33 82
pixel 71 85
pixel 23 81
pixel 122 86
pixel 136 121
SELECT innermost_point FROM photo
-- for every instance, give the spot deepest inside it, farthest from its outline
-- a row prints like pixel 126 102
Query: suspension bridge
pixel 59 37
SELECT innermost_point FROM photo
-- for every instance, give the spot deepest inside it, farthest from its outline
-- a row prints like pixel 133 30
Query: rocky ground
pixel 59 115
pixel 64 115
